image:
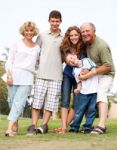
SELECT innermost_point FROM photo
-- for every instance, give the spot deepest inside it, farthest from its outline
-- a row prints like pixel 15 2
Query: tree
pixel 4 109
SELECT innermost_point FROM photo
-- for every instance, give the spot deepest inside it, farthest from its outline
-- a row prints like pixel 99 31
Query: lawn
pixel 53 141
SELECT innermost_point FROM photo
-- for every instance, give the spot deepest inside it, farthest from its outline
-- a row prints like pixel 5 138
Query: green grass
pixel 53 141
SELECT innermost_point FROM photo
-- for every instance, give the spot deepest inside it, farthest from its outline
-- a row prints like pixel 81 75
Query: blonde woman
pixel 20 69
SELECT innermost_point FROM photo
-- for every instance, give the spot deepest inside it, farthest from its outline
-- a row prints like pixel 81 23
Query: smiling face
pixel 29 32
pixel 88 33
pixel 74 37
pixel 54 24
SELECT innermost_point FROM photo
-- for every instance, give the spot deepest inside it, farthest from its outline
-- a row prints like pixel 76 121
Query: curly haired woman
pixel 71 44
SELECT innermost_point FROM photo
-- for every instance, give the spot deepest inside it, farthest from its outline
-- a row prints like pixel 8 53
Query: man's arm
pixel 100 70
pixel 103 69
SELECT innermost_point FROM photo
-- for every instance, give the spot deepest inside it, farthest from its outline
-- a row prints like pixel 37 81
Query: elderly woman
pixel 20 69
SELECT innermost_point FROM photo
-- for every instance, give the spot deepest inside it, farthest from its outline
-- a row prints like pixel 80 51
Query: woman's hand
pixel 9 78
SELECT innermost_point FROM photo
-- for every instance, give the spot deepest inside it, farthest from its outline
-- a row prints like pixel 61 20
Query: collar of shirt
pixel 59 34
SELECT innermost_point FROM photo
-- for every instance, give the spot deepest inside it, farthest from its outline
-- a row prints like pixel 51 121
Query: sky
pixel 13 13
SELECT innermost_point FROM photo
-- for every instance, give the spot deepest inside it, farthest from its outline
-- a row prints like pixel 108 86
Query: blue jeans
pixel 17 96
pixel 85 104
pixel 68 85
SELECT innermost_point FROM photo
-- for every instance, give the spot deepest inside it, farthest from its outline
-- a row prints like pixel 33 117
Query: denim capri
pixel 17 97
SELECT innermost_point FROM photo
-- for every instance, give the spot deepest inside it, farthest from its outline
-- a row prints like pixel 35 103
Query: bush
pixel 4 109
pixel 27 111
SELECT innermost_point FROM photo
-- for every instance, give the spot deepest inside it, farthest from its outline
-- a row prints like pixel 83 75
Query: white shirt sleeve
pixel 11 57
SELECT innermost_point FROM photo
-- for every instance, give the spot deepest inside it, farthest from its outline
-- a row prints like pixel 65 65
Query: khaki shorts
pixel 46 94
pixel 105 84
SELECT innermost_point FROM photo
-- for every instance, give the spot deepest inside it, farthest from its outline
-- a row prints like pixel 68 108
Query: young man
pixel 49 76
pixel 99 51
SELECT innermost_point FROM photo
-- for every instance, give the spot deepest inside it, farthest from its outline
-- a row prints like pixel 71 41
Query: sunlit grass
pixel 106 141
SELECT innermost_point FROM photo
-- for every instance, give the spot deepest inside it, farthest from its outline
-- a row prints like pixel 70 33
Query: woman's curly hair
pixel 67 44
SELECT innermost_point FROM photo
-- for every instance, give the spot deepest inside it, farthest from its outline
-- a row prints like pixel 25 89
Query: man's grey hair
pixel 92 25
pixel 89 23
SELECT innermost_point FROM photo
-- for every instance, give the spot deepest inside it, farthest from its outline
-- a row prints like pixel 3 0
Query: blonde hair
pixel 29 24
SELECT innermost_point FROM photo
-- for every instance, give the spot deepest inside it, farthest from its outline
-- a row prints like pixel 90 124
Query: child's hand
pixel 76 91
pixel 77 62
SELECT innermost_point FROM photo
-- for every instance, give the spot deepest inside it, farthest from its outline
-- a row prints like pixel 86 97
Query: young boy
pixel 87 97
pixel 49 76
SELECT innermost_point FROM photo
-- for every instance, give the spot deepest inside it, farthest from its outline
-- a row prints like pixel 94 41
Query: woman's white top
pixel 21 62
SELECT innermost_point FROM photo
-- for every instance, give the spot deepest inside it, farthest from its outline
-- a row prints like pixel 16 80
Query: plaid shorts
pixel 46 94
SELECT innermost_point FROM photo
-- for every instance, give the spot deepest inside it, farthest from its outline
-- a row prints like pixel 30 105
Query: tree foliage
pixel 4 109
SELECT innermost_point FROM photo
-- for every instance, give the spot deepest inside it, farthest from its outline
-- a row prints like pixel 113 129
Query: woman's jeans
pixel 86 104
pixel 68 85
pixel 17 96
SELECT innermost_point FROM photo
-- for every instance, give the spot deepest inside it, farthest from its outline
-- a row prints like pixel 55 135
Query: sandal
pixel 98 130
pixel 10 133
pixel 63 131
